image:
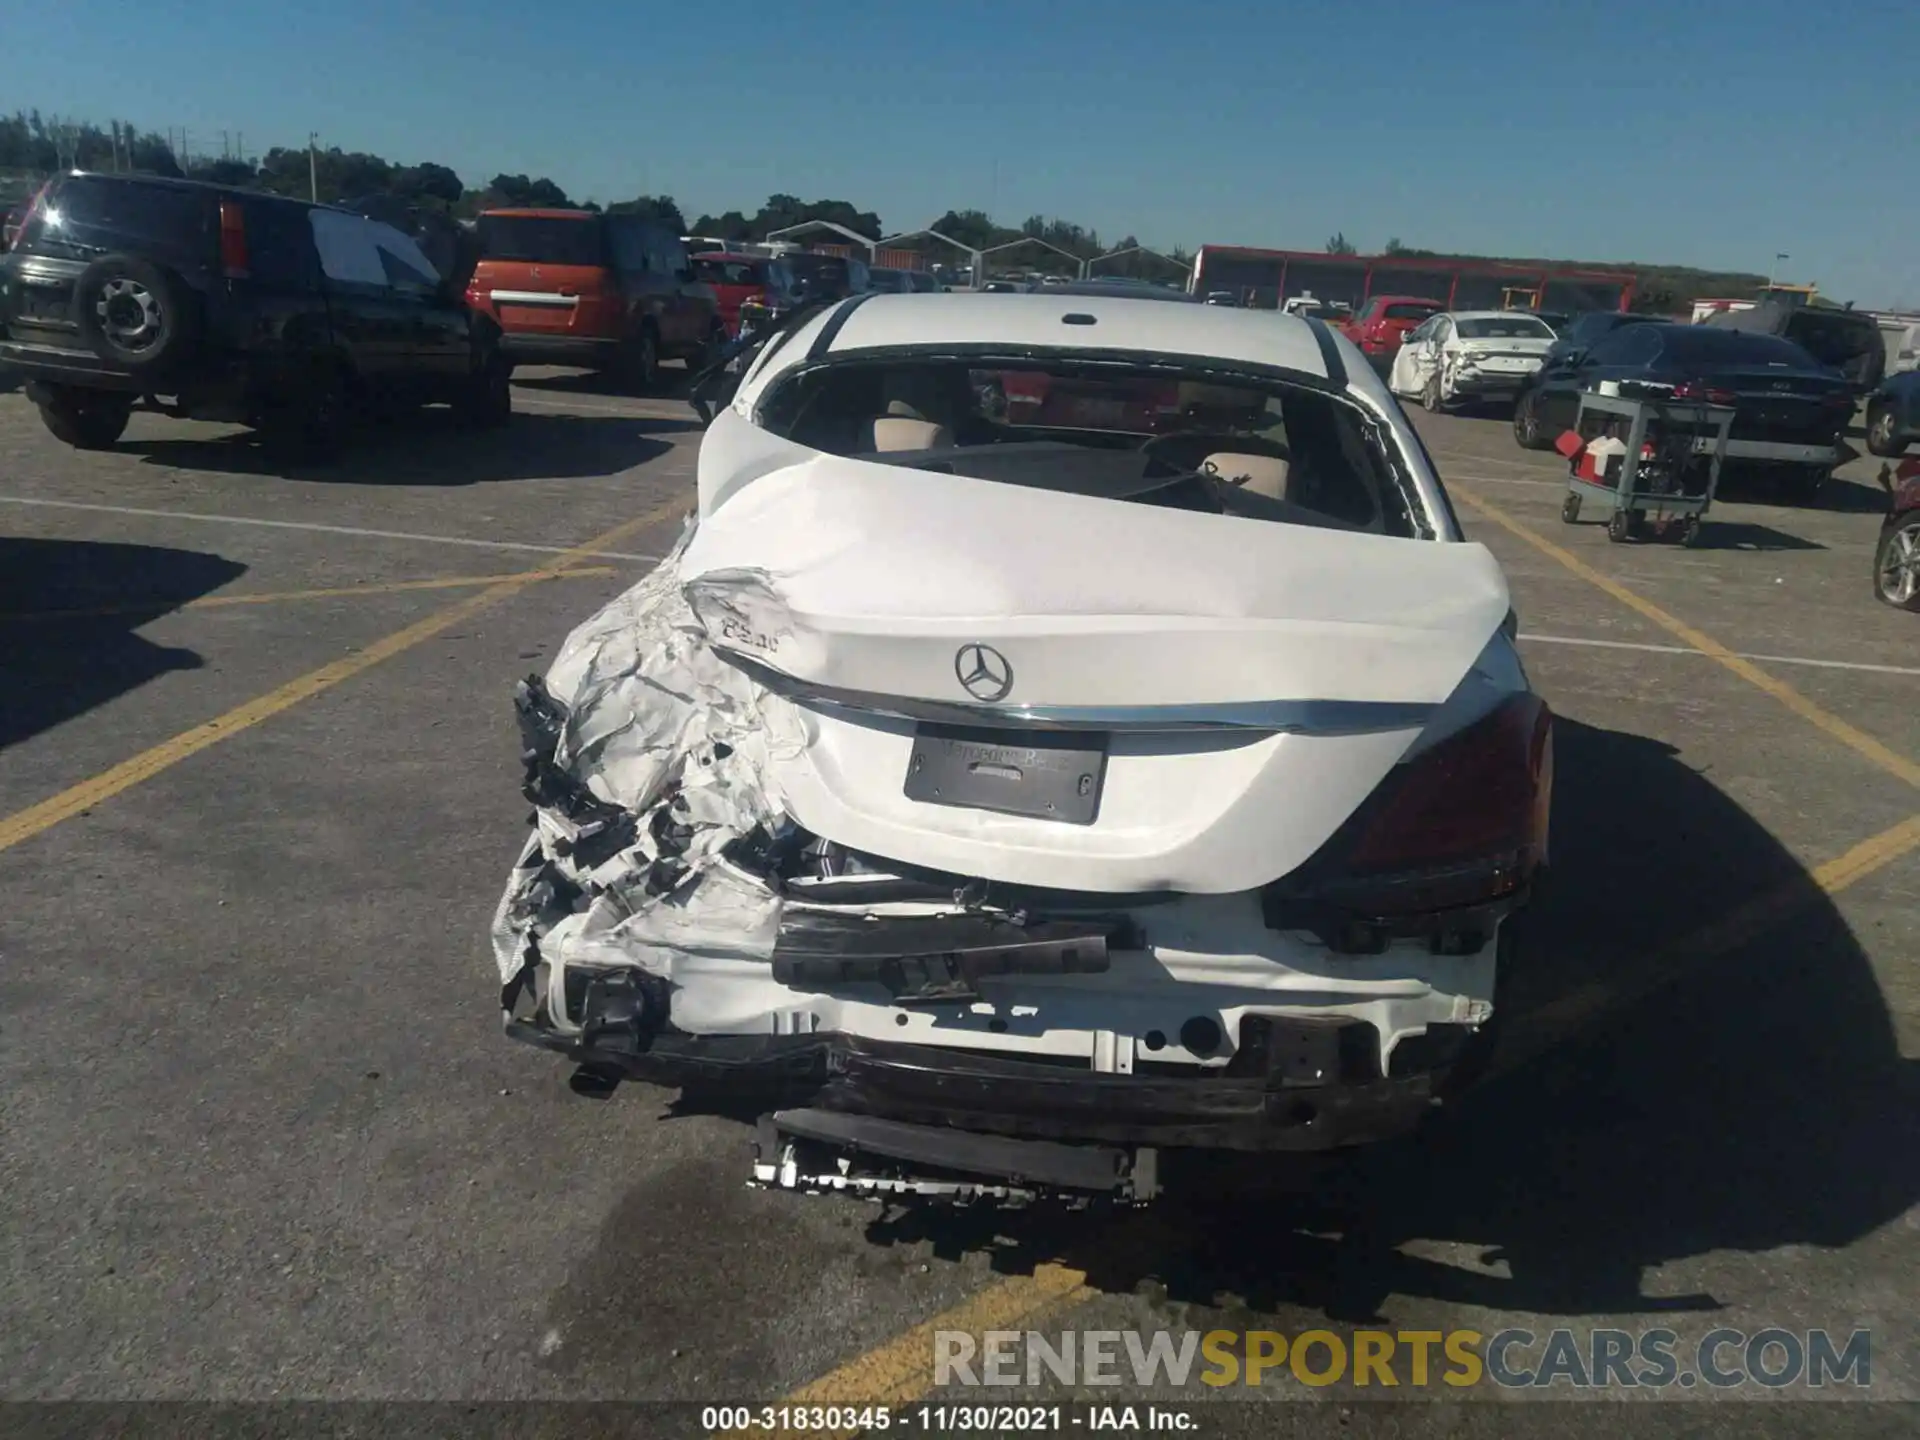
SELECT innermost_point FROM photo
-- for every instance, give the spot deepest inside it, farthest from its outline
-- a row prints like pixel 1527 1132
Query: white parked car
pixel 1470 357
pixel 995 797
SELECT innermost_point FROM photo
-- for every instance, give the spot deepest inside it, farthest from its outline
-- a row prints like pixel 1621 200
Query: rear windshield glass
pixel 1410 312
pixel 1246 446
pixel 825 272
pixel 1505 327
pixel 1596 323
pixel 730 272
pixel 541 240
pixel 1709 345
pixel 1833 339
pixel 88 213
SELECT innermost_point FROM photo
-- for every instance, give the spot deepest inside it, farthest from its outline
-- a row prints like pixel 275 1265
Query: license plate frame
pixel 1034 774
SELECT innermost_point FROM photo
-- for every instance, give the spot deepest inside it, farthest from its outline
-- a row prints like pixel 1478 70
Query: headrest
pixel 897 432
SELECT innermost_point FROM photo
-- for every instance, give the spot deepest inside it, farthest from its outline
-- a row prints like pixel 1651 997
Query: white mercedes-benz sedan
pixel 1471 357
pixel 1070 729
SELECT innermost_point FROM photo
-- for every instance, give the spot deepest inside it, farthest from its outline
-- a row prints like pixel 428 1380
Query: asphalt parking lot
pixel 261 1139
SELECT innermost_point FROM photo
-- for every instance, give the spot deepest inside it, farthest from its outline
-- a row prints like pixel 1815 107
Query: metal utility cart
pixel 1669 469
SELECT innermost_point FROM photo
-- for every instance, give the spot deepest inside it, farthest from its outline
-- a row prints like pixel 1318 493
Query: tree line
pixel 39 144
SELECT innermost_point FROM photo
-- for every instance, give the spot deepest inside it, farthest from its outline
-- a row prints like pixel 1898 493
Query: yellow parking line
pixel 1721 936
pixel 275 597
pixel 25 824
pixel 1851 736
pixel 901 1370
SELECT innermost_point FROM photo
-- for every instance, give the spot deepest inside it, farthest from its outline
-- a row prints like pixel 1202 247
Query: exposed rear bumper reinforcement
pixel 825 1150
pixel 932 959
pixel 1295 1084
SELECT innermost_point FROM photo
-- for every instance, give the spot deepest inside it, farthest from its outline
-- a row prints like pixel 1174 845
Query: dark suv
pixel 205 302
pixel 1847 340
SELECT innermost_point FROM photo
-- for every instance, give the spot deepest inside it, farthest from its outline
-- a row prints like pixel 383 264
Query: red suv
pixel 610 292
pixel 1384 322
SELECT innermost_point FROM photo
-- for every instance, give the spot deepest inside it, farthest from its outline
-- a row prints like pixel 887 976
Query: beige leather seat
pixel 1257 474
pixel 901 432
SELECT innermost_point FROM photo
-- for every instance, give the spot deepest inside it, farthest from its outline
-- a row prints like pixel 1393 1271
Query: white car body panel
pixel 853 576
pixel 1467 366
pixel 765 671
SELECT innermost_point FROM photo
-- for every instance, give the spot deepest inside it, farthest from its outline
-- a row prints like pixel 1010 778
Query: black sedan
pixel 1893 414
pixel 1789 410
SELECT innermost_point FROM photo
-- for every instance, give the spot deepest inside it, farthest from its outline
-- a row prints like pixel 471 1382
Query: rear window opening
pixel 542 239
pixel 1705 344
pixel 1242 445
pixel 1834 340
pixel 1411 312
pixel 1506 327
pixel 730 272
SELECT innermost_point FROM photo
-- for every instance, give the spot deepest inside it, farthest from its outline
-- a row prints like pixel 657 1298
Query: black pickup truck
pixel 206 302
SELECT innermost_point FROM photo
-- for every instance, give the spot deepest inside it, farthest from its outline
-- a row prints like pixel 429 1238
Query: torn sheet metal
pixel 647 756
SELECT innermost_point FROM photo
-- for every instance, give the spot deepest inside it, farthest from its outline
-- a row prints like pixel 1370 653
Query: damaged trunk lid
pixel 1060 690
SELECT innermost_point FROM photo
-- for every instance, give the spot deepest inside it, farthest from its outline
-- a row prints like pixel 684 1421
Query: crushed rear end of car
pixel 990 842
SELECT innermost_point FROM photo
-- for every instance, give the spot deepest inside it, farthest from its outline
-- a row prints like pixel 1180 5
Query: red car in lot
pixel 736 280
pixel 1384 323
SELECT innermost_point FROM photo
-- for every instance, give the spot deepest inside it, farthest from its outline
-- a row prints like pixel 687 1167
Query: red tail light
pixel 1458 830
pixel 1479 794
pixel 233 240
pixel 1699 390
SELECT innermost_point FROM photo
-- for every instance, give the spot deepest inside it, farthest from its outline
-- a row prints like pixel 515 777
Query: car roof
pixel 725 255
pixel 1406 300
pixel 207 187
pixel 1122 289
pixel 1148 328
pixel 1491 314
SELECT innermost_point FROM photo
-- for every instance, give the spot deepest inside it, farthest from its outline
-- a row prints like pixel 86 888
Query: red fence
pixel 1267 277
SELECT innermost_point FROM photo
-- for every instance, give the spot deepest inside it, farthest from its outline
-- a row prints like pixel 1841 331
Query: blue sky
pixel 1708 132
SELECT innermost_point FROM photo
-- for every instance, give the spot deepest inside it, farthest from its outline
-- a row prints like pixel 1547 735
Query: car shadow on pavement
pixel 1840 493
pixel 1694 1058
pixel 673 383
pixel 1716 534
pixel 432 448
pixel 70 611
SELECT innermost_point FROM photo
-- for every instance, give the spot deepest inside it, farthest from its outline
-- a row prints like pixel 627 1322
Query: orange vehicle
pixel 608 292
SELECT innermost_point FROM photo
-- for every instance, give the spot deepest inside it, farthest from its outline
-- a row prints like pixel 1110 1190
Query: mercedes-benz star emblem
pixel 983 672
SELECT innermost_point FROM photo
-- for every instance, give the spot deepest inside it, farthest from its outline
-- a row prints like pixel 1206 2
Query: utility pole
pixel 1770 272
pixel 313 166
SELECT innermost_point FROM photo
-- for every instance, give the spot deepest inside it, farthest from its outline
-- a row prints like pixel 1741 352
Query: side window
pixel 405 268
pixel 348 254
pixel 628 243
